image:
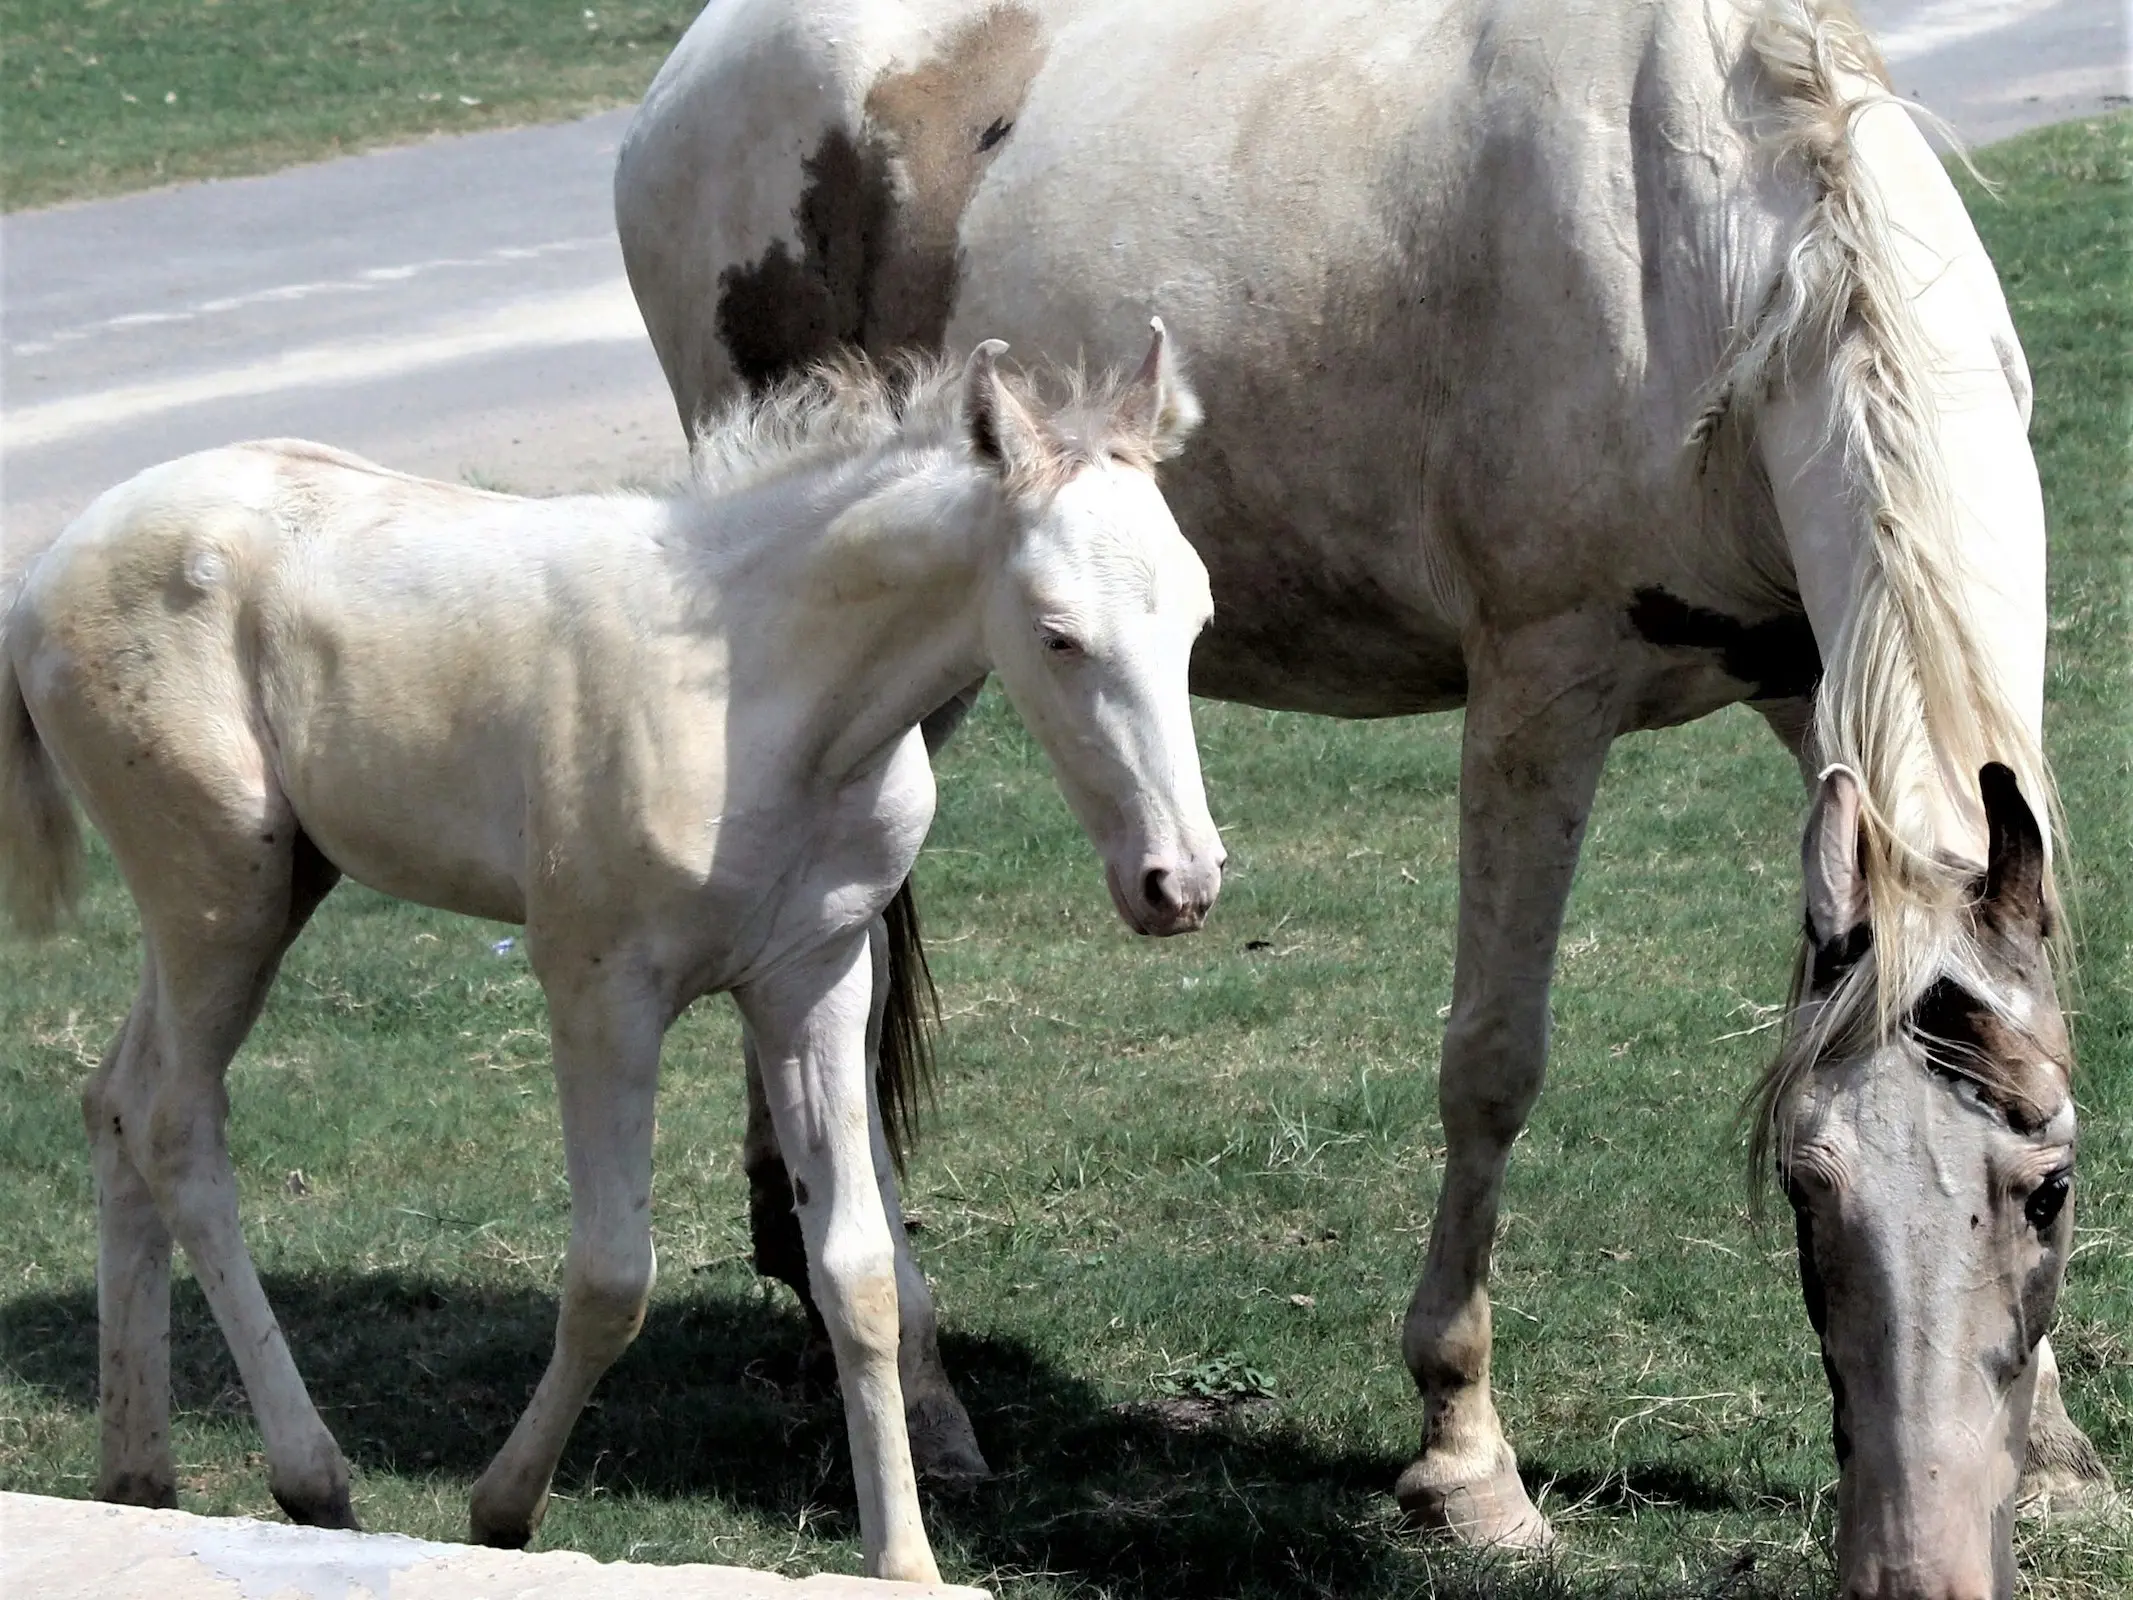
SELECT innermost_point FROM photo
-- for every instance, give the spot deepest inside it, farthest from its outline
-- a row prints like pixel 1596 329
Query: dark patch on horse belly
pixel 1777 657
pixel 879 220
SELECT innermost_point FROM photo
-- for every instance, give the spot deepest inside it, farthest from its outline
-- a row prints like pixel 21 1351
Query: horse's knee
pixel 858 1300
pixel 1488 1082
pixel 605 1292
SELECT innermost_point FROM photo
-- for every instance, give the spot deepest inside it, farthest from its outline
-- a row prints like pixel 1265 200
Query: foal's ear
pixel 1833 865
pixel 1002 432
pixel 2013 897
pixel 1157 407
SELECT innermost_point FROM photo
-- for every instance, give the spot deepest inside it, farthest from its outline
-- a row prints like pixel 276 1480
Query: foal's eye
pixel 2047 1200
pixel 1059 644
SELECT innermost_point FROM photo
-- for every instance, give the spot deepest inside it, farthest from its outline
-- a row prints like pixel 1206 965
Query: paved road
pixel 458 308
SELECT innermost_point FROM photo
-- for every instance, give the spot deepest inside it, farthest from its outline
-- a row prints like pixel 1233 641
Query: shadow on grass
pixel 426 1376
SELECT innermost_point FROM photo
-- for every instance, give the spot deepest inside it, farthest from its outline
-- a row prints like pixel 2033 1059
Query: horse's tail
pixel 40 842
pixel 903 1077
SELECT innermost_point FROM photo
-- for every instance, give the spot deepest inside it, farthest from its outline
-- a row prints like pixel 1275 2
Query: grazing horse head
pixel 1090 617
pixel 1929 1160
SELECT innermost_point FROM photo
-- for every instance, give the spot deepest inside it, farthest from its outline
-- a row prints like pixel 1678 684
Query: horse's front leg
pixel 606 1033
pixel 943 1443
pixel 1543 706
pixel 809 1021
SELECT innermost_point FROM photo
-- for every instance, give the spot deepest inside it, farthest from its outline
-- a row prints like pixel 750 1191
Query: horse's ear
pixel 1157 407
pixel 1003 434
pixel 1834 869
pixel 2012 900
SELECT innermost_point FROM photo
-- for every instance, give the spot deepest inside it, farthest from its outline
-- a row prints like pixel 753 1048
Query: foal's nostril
pixel 1155 888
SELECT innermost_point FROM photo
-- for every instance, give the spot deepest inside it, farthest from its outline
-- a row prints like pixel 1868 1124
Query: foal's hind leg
pixel 1540 716
pixel 212 958
pixel 135 1467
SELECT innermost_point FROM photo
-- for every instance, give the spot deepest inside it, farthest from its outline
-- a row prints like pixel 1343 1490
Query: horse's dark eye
pixel 2047 1200
pixel 1060 645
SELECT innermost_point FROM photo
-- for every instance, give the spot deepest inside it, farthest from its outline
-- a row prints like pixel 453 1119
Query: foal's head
pixel 1090 616
pixel 1929 1160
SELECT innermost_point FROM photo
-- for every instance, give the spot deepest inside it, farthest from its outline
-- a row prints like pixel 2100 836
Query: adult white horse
pixel 675 737
pixel 1590 366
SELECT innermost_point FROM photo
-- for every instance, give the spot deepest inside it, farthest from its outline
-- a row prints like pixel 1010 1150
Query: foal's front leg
pixel 943 1443
pixel 606 1040
pixel 809 1020
pixel 1540 715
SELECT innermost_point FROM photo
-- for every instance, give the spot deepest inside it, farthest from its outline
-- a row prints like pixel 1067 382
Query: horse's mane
pixel 851 405
pixel 1907 699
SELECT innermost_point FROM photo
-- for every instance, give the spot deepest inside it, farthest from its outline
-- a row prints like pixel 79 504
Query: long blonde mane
pixel 1908 700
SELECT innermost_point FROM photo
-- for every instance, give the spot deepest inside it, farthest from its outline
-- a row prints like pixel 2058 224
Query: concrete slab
pixel 85 1550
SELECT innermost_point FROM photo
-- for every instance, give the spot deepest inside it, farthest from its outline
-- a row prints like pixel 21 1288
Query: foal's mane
pixel 1908 700
pixel 851 405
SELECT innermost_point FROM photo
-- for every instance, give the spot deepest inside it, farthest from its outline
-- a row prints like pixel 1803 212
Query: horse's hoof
pixel 503 1527
pixel 157 1490
pixel 2064 1491
pixel 316 1508
pixel 943 1444
pixel 1492 1512
pixel 2063 1475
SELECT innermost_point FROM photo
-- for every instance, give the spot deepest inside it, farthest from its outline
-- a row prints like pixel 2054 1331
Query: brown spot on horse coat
pixel 881 213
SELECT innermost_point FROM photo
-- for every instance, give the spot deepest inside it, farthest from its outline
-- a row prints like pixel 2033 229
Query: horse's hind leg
pixel 1540 716
pixel 220 901
pixel 810 1018
pixel 606 1032
pixel 132 1287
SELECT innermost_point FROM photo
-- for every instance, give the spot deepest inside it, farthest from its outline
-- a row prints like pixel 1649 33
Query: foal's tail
pixel 904 1075
pixel 40 842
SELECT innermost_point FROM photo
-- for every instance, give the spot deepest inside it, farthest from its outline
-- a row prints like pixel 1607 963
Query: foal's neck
pixel 876 593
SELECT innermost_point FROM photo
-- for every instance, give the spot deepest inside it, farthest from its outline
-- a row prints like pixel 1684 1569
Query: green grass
pixel 1146 1154
pixel 101 96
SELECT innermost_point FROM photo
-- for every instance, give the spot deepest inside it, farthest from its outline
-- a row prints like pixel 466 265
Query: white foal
pixel 675 737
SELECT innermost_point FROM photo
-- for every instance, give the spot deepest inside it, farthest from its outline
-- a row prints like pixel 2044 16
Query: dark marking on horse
pixel 780 313
pixel 1965 1038
pixel 1777 657
pixel 1830 959
pixel 879 219
pixel 799 1191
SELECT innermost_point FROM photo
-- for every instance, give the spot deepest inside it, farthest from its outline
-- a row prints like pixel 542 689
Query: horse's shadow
pixel 426 1376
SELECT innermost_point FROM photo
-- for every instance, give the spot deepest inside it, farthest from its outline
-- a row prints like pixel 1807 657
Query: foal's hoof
pixel 943 1444
pixel 318 1508
pixel 1492 1512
